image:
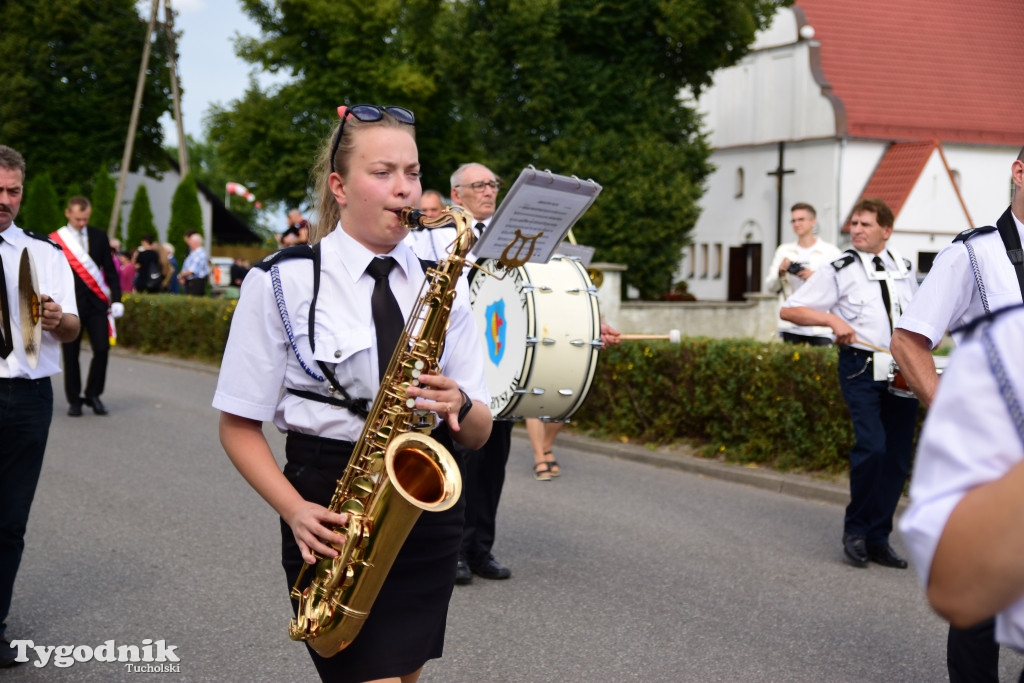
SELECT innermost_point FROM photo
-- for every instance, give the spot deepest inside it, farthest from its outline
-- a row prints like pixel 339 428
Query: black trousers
pixel 883 428
pixel 483 477
pixel 26 408
pixel 972 654
pixel 96 325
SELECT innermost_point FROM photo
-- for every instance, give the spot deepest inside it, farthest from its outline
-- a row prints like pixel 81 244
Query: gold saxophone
pixel 394 455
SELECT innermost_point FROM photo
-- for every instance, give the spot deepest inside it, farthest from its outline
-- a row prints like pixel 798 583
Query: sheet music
pixel 536 215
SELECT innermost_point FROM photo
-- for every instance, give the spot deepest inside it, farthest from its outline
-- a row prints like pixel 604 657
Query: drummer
pixel 969 278
pixel 475 188
pixel 859 296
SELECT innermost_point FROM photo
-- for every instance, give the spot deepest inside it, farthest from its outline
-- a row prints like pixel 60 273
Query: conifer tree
pixel 41 211
pixel 140 219
pixel 186 214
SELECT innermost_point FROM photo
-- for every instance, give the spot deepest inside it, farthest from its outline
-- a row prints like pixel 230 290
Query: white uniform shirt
pixel 854 297
pixel 819 254
pixel 55 280
pixel 949 296
pixel 259 360
pixel 968 439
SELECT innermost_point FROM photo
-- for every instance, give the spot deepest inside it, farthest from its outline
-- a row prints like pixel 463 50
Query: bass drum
pixel 542 327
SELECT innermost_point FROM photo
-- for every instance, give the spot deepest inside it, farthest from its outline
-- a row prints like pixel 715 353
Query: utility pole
pixel 137 104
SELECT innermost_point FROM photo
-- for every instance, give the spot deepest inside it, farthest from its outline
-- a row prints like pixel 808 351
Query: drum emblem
pixel 495 319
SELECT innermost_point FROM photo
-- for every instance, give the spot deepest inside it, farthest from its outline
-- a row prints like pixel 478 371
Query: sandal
pixel 552 464
pixel 542 471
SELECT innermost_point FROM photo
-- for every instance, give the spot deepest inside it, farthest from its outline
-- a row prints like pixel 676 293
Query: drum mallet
pixel 673 337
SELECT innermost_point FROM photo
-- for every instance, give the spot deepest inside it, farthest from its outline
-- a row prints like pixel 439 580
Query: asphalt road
pixel 627 568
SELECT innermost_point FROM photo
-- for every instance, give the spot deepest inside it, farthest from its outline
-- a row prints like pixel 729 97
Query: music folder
pixel 535 216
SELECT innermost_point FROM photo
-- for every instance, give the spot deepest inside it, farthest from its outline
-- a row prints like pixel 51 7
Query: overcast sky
pixel 208 69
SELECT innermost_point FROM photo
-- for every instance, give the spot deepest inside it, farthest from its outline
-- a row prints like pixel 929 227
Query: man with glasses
pixel 793 264
pixel 475 188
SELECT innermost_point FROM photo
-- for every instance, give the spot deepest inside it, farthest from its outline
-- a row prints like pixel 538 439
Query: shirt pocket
pixel 350 356
pixel 852 307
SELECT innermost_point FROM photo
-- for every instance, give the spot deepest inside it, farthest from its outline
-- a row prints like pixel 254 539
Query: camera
pixel 795 267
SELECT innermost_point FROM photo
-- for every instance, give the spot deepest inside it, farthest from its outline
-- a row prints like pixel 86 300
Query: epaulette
pixel 981 320
pixel 968 234
pixel 843 261
pixel 44 238
pixel 286 254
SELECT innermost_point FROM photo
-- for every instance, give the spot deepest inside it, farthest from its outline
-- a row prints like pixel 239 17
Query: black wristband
pixel 467 405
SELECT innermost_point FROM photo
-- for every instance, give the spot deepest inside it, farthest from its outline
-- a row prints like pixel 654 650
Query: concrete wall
pixel 757 317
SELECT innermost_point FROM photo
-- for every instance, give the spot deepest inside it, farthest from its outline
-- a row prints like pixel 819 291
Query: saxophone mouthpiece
pixel 410 217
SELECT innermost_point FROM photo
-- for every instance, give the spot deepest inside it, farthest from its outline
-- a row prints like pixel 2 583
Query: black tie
pixel 7 343
pixel 387 316
pixel 879 266
pixel 479 229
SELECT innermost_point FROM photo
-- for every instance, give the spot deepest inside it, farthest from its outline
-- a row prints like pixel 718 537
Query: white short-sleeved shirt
pixel 259 361
pixel 55 280
pixel 949 296
pixel 821 253
pixel 848 292
pixel 968 439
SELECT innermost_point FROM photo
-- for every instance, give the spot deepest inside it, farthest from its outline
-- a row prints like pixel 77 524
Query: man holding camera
pixel 794 262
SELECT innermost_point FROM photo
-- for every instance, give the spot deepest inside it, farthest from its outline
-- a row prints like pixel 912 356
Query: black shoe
pixel 462 573
pixel 886 556
pixel 855 549
pixel 489 569
pixel 96 404
pixel 7 654
pixel 75 410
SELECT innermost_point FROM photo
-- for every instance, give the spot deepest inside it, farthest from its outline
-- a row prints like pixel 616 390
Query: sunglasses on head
pixel 368 113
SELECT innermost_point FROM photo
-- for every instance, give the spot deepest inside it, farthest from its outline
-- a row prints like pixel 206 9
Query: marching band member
pixel 963 525
pixel 969 278
pixel 368 170
pixel 26 394
pixel 860 296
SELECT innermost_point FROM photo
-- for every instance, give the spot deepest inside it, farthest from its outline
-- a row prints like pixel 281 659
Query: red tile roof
pixel 924 69
pixel 898 172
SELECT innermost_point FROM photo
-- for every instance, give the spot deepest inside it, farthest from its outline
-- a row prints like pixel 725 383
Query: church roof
pixel 923 69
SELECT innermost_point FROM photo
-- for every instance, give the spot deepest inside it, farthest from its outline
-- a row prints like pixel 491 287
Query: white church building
pixel 917 102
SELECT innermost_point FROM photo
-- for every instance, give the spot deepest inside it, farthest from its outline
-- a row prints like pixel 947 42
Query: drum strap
pixel 1011 240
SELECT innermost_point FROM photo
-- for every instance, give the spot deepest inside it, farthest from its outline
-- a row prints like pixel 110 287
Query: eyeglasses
pixel 479 185
pixel 368 113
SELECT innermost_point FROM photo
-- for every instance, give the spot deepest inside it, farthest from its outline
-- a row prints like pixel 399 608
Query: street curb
pixel 683 459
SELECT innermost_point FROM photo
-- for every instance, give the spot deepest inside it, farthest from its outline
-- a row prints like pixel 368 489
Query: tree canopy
pixel 70 72
pixel 587 87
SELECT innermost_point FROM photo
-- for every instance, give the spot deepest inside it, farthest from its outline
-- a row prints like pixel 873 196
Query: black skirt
pixel 406 625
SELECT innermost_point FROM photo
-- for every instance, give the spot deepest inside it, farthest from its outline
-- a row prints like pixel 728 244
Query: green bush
pixel 176 325
pixel 744 401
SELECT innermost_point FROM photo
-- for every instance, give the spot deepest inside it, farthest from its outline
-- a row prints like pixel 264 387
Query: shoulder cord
pixel 977 275
pixel 275 277
pixel 358 406
pixel 999 371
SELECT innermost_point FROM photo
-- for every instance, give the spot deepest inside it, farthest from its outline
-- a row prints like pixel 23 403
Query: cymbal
pixel 30 309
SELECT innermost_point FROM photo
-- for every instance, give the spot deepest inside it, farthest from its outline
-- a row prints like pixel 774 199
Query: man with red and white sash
pixel 98 290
